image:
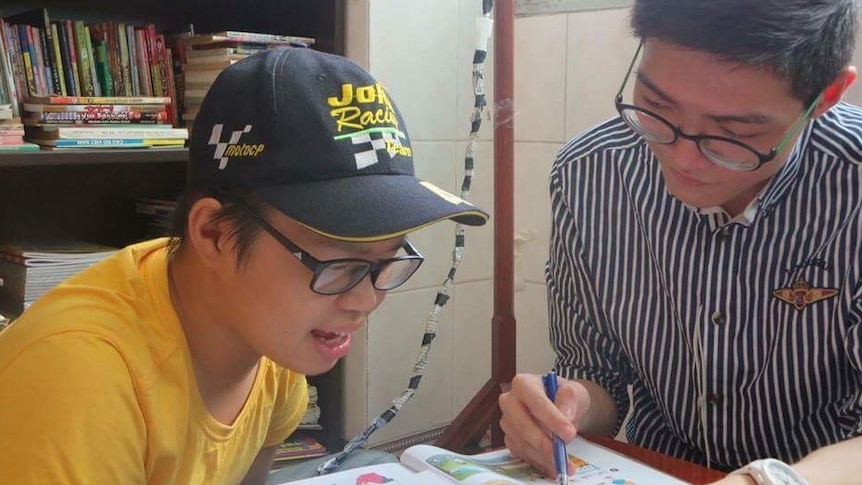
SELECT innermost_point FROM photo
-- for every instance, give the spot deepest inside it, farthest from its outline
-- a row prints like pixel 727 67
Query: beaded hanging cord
pixel 483 33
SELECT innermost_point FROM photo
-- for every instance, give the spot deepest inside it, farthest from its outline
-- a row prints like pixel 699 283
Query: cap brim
pixel 370 207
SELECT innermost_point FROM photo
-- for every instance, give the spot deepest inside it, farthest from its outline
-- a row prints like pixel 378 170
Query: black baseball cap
pixel 320 139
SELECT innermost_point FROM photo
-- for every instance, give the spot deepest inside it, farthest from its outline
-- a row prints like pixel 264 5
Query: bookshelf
pixel 90 194
pixel 45 158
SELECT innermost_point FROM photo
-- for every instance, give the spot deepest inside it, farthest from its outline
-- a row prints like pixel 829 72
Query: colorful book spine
pixel 53 52
pixel 119 142
pixel 143 62
pixel 59 61
pixel 73 55
pixel 27 54
pixel 97 86
pixel 83 117
pixel 23 147
pixel 99 100
pixel 94 108
pixel 103 70
pixel 133 61
pixel 173 110
pixel 82 133
pixel 84 72
pixel 42 67
pixel 260 37
pixel 153 53
pixel 16 63
pixel 10 94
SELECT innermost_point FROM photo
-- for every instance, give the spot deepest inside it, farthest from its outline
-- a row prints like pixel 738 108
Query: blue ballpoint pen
pixel 560 458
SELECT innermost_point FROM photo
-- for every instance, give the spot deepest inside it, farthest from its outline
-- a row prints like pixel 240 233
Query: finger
pixel 573 401
pixel 518 422
pixel 527 437
pixel 534 456
pixel 545 412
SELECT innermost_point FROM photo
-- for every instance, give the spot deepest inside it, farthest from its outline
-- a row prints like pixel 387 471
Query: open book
pixel 430 465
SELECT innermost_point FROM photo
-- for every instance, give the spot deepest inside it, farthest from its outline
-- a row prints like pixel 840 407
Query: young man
pixel 184 363
pixel 706 250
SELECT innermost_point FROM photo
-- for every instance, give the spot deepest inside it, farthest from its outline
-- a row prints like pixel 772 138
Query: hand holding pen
pixel 561 459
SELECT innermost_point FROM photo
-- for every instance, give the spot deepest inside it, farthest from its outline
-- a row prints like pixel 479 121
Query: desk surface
pixel 681 469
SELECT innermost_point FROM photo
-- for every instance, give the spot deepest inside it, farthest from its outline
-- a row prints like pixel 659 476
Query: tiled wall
pixel 422 52
pixel 567 70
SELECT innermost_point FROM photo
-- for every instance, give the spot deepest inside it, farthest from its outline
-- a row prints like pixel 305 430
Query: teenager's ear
pixel 835 91
pixel 208 236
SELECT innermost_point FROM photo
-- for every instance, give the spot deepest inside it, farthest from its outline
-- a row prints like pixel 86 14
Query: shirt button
pixel 718 318
pixel 714 399
pixel 723 234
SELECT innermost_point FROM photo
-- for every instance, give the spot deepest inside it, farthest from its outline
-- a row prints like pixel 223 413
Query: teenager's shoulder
pixel 606 139
pixel 109 302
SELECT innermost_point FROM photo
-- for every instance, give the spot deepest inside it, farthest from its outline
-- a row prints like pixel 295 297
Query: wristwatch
pixel 770 471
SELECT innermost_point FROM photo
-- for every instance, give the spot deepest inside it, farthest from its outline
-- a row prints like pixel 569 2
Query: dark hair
pixel 806 42
pixel 244 229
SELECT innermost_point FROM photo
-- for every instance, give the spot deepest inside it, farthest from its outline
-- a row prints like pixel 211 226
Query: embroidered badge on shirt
pixel 801 294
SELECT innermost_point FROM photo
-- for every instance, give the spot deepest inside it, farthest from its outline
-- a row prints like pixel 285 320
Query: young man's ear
pixel 835 91
pixel 209 237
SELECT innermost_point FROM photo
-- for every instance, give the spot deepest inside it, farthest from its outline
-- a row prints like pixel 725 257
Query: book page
pixel 388 473
pixel 495 468
pixel 594 465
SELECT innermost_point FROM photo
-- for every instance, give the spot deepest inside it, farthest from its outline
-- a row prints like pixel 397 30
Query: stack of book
pixel 100 122
pixel 29 269
pixel 311 418
pixel 298 446
pixel 74 58
pixel 12 136
pixel 202 58
pixel 156 216
pixel 11 128
pixel 303 444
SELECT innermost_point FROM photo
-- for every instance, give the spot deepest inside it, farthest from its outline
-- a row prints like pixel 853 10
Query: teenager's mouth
pixel 333 345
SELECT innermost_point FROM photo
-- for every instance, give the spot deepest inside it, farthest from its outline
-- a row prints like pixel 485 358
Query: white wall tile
pixel 354 394
pixel 599 50
pixel 540 77
pixel 394 336
pixel 413 55
pixel 356 35
pixel 428 73
pixel 854 94
pixel 474 308
pixel 531 313
pixel 532 222
pixel 435 162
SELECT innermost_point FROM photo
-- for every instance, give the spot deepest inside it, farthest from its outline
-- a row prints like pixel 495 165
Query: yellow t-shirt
pixel 97 388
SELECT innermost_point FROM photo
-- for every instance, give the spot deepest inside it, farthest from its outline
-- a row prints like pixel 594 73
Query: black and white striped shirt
pixel 687 307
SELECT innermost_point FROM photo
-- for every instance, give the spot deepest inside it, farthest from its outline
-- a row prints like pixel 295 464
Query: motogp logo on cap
pixel 232 148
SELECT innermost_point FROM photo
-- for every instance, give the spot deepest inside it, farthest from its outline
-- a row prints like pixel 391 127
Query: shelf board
pixel 93 157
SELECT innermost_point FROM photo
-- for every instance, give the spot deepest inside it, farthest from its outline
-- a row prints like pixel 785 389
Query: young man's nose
pixel 363 297
pixel 686 155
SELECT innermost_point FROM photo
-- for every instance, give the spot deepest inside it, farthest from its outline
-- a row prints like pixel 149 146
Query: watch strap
pixel 759 471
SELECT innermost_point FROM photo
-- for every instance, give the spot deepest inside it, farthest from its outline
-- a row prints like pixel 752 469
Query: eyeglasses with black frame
pixel 337 276
pixel 724 152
